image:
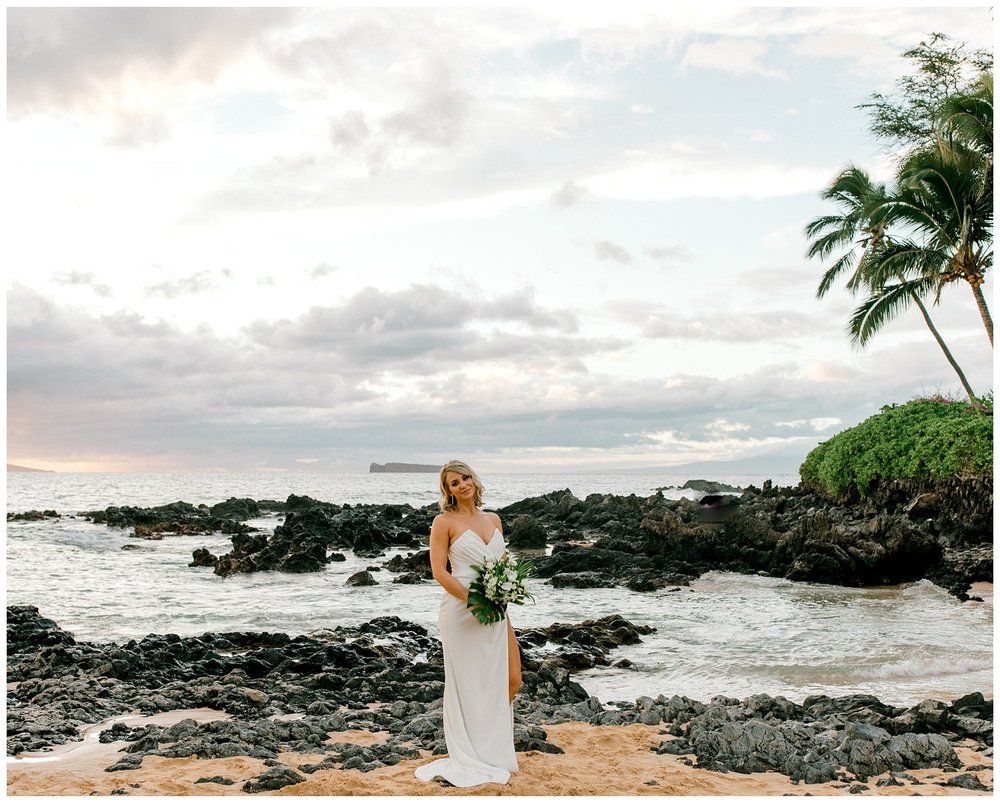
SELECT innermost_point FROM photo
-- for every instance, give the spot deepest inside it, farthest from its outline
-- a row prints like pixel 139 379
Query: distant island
pixel 402 468
pixel 12 467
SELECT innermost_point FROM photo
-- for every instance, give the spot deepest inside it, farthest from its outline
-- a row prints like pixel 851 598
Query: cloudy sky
pixel 308 239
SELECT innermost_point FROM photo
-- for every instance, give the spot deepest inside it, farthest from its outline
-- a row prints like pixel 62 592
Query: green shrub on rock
pixel 933 438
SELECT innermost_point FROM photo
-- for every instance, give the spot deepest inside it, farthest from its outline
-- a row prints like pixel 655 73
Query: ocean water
pixel 725 634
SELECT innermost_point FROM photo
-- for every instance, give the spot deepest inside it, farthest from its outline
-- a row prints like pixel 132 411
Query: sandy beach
pixel 599 761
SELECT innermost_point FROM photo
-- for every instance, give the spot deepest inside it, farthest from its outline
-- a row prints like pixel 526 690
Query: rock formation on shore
pixel 902 532
pixel 386 675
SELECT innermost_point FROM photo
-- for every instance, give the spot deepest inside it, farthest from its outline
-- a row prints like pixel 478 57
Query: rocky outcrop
pixel 525 532
pixel 704 486
pixel 176 518
pixel 849 738
pixel 648 543
pixel 311 529
pixel 901 532
pixel 33 515
pixel 386 676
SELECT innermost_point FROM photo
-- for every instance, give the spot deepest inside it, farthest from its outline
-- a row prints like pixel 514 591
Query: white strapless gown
pixel 478 717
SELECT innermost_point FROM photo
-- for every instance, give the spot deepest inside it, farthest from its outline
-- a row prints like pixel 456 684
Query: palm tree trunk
pixel 984 311
pixel 947 353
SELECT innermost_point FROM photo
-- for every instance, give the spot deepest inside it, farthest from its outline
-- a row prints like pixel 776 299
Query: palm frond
pixel 881 307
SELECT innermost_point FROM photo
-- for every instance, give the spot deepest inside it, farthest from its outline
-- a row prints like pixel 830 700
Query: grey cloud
pixel 673 253
pixel 322 270
pixel 736 327
pixel 119 385
pixel 608 251
pixel 84 279
pixel 349 131
pixel 436 120
pixel 75 59
pixel 569 194
pixel 520 306
pixel 188 285
pixel 423 328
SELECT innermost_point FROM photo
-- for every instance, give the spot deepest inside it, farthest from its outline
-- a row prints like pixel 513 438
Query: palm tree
pixel 881 262
pixel 946 200
pixel 959 172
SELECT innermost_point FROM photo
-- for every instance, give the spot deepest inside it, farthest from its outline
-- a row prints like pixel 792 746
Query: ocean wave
pixel 930 667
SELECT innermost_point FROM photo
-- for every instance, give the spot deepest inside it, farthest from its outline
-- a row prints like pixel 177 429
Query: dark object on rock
pixel 217 779
pixel 526 533
pixel 717 509
pixel 409 578
pixel 275 778
pixel 361 579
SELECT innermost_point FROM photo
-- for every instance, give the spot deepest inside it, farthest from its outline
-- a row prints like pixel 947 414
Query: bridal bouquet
pixel 499 583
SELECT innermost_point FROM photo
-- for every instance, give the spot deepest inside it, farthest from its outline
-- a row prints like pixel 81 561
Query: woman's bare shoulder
pixel 493 517
pixel 443 522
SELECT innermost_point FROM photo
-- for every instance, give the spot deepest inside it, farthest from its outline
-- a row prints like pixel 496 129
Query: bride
pixel 482 665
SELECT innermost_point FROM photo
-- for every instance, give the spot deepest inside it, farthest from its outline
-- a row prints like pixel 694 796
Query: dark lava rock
pixel 710 487
pixel 582 580
pixel 414 563
pixel 236 509
pixel 275 778
pixel 33 515
pixel 202 557
pixel 968 781
pixel 361 579
pixel 409 578
pixel 177 518
pixel 645 543
pixel 312 528
pixel 217 779
pixel 526 533
pixel 130 762
pixel 386 675
pixel 27 631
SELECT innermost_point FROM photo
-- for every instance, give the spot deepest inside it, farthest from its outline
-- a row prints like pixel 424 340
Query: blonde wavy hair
pixel 448 503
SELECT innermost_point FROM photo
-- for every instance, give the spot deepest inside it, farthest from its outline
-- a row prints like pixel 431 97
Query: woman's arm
pixel 439 560
pixel 499 525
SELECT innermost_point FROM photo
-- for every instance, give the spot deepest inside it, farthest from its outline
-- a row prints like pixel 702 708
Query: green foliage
pixel 488 599
pixel 922 439
pixel 907 118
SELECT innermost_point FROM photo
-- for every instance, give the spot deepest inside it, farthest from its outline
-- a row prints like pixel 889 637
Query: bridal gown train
pixel 478 716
